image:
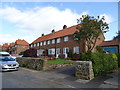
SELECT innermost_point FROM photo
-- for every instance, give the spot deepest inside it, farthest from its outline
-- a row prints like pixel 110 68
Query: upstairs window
pixel 15 46
pixel 40 43
pixel 31 45
pixel 58 40
pixel 37 44
pixel 53 41
pixel 66 38
pixel 48 42
pixel 44 42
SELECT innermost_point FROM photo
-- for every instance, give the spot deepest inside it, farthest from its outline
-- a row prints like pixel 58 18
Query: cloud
pixel 39 20
pixel 31 23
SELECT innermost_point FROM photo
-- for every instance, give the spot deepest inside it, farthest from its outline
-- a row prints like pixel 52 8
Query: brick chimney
pixel 42 34
pixel 65 26
pixel 53 31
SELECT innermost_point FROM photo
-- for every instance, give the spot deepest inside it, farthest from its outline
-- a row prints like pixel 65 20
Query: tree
pixel 21 53
pixel 89 29
pixel 32 52
pixel 117 37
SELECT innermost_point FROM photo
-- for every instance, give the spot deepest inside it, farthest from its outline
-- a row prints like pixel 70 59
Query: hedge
pixel 102 62
pixel 118 55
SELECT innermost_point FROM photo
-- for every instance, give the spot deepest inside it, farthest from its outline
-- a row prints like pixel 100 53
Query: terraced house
pixel 18 46
pixel 61 42
pixel 5 47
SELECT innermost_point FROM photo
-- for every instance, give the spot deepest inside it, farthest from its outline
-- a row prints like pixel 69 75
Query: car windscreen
pixel 7 58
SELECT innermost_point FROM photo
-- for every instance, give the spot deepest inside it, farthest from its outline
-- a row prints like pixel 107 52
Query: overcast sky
pixel 28 20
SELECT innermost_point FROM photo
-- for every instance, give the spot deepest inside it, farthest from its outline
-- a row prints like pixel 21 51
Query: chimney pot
pixel 53 31
pixel 65 26
pixel 42 34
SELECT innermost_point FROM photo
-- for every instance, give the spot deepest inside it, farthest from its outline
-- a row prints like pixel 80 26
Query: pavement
pixel 59 78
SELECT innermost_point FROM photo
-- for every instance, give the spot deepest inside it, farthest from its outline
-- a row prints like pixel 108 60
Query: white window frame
pixel 15 46
pixel 58 51
pixel 31 45
pixel 34 44
pixel 76 50
pixel 51 51
pixel 38 44
pixel 64 50
pixel 53 41
pixel 65 38
pixel 48 42
pixel 58 40
pixel 44 42
pixel 41 43
pixel 40 52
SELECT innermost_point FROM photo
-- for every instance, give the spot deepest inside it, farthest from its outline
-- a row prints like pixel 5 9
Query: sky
pixel 28 20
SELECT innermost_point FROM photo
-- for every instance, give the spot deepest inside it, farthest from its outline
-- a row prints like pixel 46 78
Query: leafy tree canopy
pixel 89 30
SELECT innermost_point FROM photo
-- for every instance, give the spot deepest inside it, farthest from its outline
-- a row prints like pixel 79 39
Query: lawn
pixel 59 61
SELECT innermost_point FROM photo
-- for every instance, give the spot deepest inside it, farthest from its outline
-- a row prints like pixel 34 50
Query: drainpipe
pixel 55 46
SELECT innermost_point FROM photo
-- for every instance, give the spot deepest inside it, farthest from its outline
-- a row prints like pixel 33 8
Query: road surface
pixel 60 78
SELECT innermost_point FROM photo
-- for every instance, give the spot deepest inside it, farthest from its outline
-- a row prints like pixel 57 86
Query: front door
pixel 65 51
pixel 57 52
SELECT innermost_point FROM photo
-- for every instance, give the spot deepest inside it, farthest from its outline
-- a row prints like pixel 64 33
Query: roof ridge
pixel 53 33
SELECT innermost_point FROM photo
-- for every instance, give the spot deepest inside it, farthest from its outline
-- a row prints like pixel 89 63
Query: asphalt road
pixel 60 78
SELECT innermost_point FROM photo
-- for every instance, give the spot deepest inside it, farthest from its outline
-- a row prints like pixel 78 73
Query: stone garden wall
pixel 39 64
pixel 56 66
pixel 32 63
pixel 84 70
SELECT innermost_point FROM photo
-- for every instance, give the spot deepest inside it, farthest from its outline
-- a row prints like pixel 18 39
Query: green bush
pixel 102 62
pixel 118 55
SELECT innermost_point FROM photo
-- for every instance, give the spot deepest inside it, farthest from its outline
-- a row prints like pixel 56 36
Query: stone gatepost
pixel 84 70
pixel 44 64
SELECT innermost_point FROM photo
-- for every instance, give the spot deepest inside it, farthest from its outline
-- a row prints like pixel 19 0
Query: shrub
pixel 75 56
pixel 99 49
pixel 32 52
pixel 61 56
pixel 70 54
pixel 102 62
pixel 54 58
pixel 118 55
pixel 21 53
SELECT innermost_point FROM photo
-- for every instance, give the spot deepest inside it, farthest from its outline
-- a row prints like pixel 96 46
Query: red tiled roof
pixel 21 42
pixel 61 33
pixel 11 44
pixel 109 43
pixel 5 45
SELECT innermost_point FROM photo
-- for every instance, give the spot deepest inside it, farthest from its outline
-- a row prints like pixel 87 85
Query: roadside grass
pixel 59 61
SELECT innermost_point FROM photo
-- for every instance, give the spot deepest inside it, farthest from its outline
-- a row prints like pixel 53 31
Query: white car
pixel 7 62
